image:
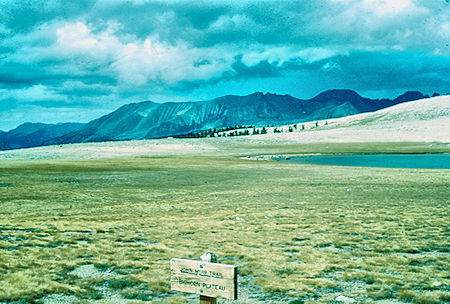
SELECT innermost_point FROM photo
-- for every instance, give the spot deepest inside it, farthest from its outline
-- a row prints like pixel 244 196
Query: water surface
pixel 419 161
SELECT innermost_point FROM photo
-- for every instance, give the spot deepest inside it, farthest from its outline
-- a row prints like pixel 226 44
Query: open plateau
pixel 99 222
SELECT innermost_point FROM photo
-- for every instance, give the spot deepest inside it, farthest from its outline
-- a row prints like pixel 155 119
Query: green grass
pixel 298 233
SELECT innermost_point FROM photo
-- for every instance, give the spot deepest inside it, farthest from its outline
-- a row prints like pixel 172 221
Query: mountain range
pixel 145 120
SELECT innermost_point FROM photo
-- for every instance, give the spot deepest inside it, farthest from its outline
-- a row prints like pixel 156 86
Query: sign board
pixel 204 278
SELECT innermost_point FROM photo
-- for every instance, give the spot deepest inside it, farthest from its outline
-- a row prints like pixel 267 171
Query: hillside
pixel 147 119
pixel 427 119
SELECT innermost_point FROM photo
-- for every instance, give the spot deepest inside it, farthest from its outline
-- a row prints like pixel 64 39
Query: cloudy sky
pixel 76 60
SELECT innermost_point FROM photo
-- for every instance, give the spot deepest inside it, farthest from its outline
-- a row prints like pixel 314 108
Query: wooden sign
pixel 204 278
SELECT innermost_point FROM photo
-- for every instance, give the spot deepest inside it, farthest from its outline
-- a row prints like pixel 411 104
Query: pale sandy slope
pixel 426 120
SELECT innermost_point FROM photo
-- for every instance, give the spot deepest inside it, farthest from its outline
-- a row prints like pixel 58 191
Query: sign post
pixel 206 278
pixel 211 258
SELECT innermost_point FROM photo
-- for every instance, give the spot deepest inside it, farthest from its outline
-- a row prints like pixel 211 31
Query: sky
pixel 73 61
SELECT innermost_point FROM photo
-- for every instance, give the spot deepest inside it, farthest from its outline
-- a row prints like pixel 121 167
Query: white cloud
pixel 76 37
pixel 226 22
pixel 141 61
pixel 389 6
pixel 152 60
pixel 310 55
pixel 272 55
pixel 330 66
pixel 353 25
pixel 78 40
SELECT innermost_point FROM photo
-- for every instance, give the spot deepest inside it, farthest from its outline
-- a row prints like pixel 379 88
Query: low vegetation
pixel 102 230
pixel 250 130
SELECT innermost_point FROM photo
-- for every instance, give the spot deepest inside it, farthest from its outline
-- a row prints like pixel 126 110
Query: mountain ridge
pixel 421 123
pixel 147 119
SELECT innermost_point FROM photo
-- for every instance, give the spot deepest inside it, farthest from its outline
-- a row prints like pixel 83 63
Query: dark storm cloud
pixel 24 15
pixel 23 75
pixel 302 23
pixel 394 70
pixel 208 23
pixel 239 70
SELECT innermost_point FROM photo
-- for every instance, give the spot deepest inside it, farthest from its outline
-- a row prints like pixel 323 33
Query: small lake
pixel 418 161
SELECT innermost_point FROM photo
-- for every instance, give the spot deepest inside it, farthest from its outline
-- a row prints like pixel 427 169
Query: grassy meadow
pixel 103 231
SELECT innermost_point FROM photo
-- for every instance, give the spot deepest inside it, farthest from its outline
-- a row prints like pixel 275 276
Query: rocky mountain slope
pixel 147 119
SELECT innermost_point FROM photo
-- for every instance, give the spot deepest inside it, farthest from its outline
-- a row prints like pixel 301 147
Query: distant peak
pixel 143 102
pixel 337 94
pixel 409 96
pixel 28 125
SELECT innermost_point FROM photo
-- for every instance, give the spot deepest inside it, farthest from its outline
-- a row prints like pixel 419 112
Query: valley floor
pixel 101 228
